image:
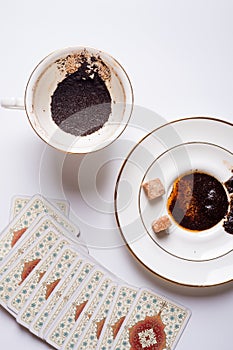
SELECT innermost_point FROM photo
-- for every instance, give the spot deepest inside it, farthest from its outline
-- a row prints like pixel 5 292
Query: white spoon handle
pixel 12 103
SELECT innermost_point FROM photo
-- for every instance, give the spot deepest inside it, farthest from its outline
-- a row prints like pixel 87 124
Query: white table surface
pixel 179 56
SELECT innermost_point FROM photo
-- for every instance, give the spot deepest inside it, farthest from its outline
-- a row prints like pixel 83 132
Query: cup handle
pixel 12 103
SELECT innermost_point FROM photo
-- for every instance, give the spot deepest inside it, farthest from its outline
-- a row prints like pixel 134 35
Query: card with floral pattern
pixel 47 284
pixel 73 287
pixel 153 322
pixel 65 321
pixel 88 311
pixel 40 225
pixel 18 226
pixel 54 298
pixel 13 278
pixel 125 297
pixel 19 202
pixel 89 339
pixel 20 297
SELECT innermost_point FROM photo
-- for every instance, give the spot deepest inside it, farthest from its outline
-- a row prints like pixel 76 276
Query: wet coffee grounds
pixel 198 201
pixel 81 103
pixel 229 185
pixel 228 223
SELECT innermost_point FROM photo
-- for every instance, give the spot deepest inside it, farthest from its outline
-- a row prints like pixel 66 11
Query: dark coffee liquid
pixel 81 103
pixel 198 201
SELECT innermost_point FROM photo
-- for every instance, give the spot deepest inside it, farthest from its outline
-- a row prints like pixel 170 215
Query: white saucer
pixel 202 258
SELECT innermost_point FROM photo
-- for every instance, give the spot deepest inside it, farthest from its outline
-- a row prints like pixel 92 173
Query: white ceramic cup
pixel 42 84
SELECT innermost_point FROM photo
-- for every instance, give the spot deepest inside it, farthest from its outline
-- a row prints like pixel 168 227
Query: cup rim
pixel 112 138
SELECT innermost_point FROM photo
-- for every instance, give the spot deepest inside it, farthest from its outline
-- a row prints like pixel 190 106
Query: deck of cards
pixel 54 288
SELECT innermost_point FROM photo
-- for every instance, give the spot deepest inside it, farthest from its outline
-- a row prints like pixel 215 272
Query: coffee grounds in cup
pixel 81 103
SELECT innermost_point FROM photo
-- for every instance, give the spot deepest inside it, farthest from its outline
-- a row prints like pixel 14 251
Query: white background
pixel 179 56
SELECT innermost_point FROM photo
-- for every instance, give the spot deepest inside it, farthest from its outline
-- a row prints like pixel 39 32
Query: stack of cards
pixel 53 287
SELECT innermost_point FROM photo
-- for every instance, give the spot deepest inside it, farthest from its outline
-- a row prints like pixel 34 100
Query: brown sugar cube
pixel 161 224
pixel 153 188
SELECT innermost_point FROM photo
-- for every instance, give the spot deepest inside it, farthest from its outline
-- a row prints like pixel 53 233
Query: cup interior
pixel 43 82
